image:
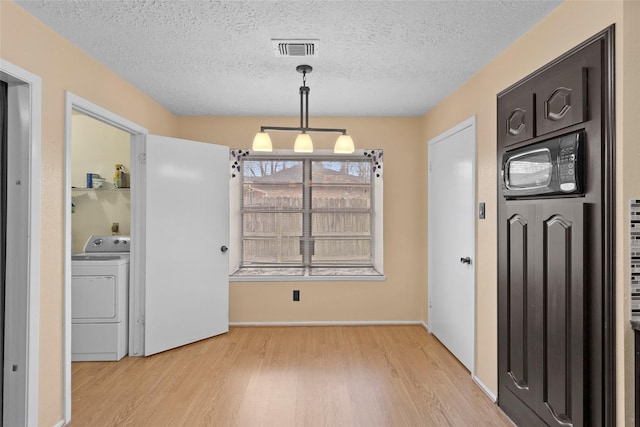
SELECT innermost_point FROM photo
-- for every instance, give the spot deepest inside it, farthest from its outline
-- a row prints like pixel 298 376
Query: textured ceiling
pixel 391 58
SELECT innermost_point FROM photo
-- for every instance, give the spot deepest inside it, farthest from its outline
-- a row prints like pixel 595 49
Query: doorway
pixel 179 190
pixel 451 240
pixel 75 105
pixel 21 320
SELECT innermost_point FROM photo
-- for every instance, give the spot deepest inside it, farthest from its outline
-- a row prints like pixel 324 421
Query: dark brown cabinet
pixel 561 100
pixel 555 253
pixel 516 117
pixel 542 310
pixel 554 99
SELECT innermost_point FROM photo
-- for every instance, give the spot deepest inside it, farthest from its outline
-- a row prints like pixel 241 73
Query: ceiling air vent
pixel 297 48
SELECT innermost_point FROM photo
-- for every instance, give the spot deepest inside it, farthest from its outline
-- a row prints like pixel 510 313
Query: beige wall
pixel 97 147
pixel 400 297
pixel 568 25
pixel 628 158
pixel 27 43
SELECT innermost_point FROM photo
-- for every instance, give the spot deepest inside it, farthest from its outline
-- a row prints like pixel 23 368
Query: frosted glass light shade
pixel 262 142
pixel 344 145
pixel 303 144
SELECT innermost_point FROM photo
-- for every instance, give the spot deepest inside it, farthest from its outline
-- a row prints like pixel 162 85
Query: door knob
pixel 224 249
pixel 465 260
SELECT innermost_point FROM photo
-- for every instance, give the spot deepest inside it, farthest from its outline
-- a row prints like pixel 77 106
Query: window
pixel 313 215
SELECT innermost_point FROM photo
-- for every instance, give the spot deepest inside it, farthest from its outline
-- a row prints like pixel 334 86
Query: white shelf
pixel 98 190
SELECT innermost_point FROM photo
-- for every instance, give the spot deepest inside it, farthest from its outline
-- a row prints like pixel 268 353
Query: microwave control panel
pixel 567 165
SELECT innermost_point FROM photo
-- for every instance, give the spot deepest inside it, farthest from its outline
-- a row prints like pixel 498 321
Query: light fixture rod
pixel 306 108
pixel 304 93
pixel 300 129
pixel 301 109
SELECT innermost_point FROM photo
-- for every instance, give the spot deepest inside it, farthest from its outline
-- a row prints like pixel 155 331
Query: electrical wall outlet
pixel 296 295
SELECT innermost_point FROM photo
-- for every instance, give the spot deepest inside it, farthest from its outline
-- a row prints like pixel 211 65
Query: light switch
pixel 481 212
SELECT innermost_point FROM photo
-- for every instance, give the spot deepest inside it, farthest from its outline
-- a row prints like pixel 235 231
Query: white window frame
pixel 235 257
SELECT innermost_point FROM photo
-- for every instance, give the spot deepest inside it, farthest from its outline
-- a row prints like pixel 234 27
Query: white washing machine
pixel 100 299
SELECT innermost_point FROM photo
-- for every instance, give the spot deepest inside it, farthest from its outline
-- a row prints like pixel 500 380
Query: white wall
pixel 96 148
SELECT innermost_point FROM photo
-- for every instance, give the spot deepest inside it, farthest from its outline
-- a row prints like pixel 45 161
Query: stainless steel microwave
pixel 552 167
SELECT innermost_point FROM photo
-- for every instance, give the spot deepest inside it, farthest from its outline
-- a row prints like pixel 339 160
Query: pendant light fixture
pixel 303 144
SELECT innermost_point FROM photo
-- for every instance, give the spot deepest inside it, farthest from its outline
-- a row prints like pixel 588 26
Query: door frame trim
pixel 470 122
pixel 138 140
pixel 609 240
pixel 25 338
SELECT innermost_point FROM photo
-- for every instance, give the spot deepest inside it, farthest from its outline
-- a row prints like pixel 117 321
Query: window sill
pixel 299 275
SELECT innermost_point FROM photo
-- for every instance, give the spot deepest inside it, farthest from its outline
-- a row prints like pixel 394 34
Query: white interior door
pixel 187 225
pixel 452 240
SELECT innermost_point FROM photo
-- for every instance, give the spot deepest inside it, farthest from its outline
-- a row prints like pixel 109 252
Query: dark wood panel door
pixel 560 291
pixel 517 359
pixel 541 307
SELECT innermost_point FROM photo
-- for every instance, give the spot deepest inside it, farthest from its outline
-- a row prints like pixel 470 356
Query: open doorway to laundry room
pixel 98 165
pixel 95 141
pixel 194 177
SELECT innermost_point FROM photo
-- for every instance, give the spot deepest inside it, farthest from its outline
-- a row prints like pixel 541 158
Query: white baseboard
pixel 59 423
pixel 331 323
pixel 425 326
pixel 486 389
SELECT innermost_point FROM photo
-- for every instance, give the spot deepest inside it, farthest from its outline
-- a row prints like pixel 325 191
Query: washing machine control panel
pixel 101 244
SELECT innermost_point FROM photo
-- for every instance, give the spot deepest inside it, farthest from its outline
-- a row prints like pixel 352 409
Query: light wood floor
pixel 287 376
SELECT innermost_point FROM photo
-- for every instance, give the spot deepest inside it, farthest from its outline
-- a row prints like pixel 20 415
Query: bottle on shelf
pixel 120 177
